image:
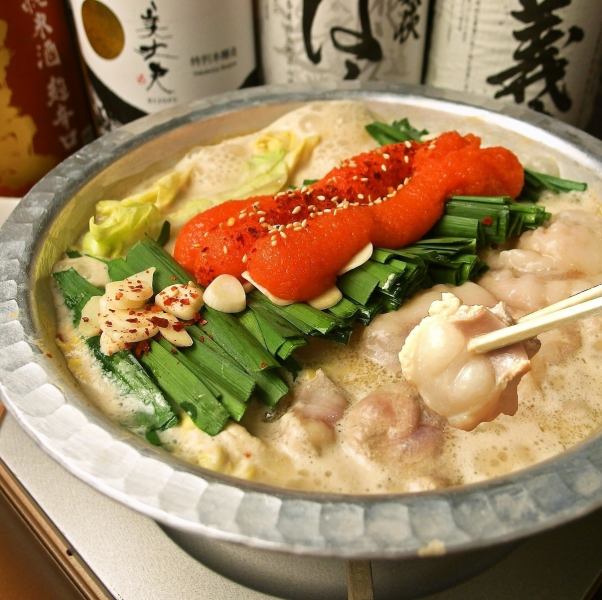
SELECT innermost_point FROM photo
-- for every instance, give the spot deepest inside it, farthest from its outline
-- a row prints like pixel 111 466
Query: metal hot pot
pixel 470 526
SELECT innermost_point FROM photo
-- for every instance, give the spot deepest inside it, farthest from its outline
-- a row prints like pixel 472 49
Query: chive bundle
pixel 234 357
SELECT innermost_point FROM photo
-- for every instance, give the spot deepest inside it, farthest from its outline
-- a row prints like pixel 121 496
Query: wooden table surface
pixel 27 571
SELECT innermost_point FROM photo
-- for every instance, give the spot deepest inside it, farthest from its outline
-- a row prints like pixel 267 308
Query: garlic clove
pixel 181 300
pixel 172 330
pixel 358 259
pixel 326 300
pixel 277 301
pixel 226 294
pixel 110 346
pixel 130 293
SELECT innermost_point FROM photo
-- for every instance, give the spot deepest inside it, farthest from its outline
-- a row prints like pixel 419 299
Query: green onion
pixel 184 388
pixel 153 412
pixel 538 182
pixel 164 234
pixel 398 131
pixel 147 253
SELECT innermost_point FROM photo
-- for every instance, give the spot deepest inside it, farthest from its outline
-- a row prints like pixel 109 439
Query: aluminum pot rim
pixel 200 501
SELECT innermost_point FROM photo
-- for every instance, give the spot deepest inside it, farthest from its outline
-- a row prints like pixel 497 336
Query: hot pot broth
pixel 351 423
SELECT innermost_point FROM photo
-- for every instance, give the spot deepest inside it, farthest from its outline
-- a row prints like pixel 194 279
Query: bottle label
pixel 310 40
pixel 544 55
pixel 151 54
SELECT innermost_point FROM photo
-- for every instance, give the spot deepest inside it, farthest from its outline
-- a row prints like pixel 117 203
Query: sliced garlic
pixel 132 325
pixel 143 329
pixel 358 259
pixel 109 346
pixel 277 301
pixel 226 294
pixel 181 300
pixel 132 292
pixel 326 300
pixel 89 323
pixel 173 331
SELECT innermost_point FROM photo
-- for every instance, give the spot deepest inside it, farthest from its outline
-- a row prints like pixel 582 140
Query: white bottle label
pixel 310 40
pixel 544 55
pixel 172 52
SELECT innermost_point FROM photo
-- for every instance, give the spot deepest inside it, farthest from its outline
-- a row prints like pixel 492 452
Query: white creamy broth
pixel 321 437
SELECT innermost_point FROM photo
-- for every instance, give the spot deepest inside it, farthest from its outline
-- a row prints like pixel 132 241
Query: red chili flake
pixel 118 295
pixel 263 364
pixel 60 338
pixel 247 454
pixel 178 326
pixel 174 287
pixel 85 319
pixel 49 355
pixel 159 322
pixel 155 308
pixel 185 301
pixel 203 321
pixel 194 295
pixel 487 221
pixel 141 348
pixel 109 323
pixel 134 320
pixel 169 301
pixel 132 330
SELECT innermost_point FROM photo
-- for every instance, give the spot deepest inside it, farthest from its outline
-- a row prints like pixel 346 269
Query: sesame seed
pixel 406 159
pixel 303 189
pixel 407 144
pixel 296 210
pixel 364 179
pixel 262 219
pixel 335 198
pixel 383 167
pixel 298 228
pixel 311 207
pixel 273 242
pixel 225 249
pixel 406 181
pixel 360 196
pixel 386 155
pixel 354 178
pixel 320 197
pixel 327 211
pixel 304 223
pixel 289 225
pixel 378 201
pixel 283 235
pixel 256 204
pixel 261 212
pixel 244 258
pixel 230 222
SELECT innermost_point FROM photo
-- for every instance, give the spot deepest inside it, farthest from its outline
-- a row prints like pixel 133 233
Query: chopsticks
pixel 581 305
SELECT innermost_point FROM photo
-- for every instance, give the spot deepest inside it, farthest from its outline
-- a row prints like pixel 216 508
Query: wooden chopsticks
pixel 581 305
